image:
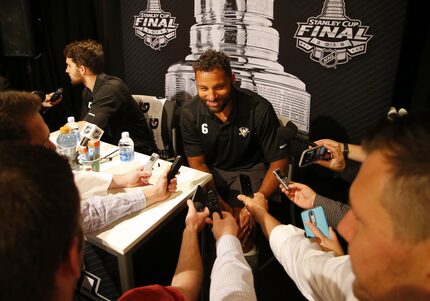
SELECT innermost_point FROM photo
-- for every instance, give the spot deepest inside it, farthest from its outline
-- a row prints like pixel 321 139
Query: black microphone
pixel 90 132
pixel 57 95
pixel 289 132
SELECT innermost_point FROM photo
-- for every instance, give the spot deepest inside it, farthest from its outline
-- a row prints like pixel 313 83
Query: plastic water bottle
pixel 74 128
pixel 66 145
pixel 126 148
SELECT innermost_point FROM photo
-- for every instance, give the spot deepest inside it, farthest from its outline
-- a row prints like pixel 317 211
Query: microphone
pixel 41 95
pixel 89 132
pixel 289 132
pixel 57 95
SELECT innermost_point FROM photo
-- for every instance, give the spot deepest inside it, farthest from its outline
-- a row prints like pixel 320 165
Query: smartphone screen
pixel 282 177
pixel 309 156
pixel 317 217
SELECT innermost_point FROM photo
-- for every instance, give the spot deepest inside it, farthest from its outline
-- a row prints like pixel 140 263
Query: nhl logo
pixel 154 26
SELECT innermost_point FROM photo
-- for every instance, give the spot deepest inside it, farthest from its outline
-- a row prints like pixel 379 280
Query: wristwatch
pixel 345 150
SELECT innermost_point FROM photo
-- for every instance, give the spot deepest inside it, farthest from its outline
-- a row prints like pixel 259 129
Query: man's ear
pixel 233 77
pixel 70 269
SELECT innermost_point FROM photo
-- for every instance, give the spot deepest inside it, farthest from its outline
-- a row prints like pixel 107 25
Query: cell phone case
pixel 174 168
pixel 200 198
pixel 245 185
pixel 309 156
pixel 317 217
pixel 212 203
pixel 282 178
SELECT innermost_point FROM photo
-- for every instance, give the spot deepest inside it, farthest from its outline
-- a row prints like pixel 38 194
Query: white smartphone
pixel 309 156
pixel 148 166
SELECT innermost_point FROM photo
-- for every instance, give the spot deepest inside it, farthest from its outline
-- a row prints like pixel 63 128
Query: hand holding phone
pixel 309 156
pixel 148 166
pixel 282 178
pixel 317 217
pixel 245 185
pixel 212 203
pixel 174 168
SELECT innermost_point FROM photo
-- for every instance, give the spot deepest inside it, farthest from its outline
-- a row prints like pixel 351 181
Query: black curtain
pixel 54 25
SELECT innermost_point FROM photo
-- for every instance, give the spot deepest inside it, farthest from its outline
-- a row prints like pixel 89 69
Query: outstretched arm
pixel 189 270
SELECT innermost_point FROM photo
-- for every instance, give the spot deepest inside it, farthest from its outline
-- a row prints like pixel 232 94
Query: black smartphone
pixel 174 168
pixel 212 203
pixel 245 185
pixel 199 198
pixel 148 166
pixel 309 156
pixel 282 177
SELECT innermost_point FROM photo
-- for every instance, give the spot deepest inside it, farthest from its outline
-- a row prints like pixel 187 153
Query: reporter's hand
pixel 246 224
pixel 47 102
pixel 132 178
pixel 161 190
pixel 300 194
pixel 255 204
pixel 327 243
pixel 337 162
pixel 195 221
pixel 223 226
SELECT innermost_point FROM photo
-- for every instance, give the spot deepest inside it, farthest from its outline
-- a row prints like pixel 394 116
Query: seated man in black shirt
pixel 106 100
pixel 229 131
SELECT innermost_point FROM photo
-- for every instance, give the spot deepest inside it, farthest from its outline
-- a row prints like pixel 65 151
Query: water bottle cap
pixel 64 129
pixel 125 135
pixel 71 119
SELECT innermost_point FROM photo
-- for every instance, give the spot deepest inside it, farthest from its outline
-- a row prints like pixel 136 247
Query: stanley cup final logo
pixel 332 38
pixel 154 26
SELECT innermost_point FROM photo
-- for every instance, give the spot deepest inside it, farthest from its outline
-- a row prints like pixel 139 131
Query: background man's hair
pixel 18 105
pixel 88 53
pixel 405 143
pixel 39 217
pixel 211 59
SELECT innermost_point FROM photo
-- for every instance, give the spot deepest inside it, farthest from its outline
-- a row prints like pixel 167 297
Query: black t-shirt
pixel 248 137
pixel 113 109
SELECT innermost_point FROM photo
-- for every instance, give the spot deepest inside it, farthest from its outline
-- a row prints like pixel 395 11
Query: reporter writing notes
pixel 106 100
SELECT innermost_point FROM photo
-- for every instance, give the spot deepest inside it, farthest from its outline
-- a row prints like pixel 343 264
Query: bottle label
pixel 126 155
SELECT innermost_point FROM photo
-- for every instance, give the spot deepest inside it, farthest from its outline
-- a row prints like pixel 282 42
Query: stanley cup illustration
pixel 242 29
pixel 333 10
pixel 153 6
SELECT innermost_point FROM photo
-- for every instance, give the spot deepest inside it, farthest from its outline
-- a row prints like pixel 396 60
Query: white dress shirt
pixel 231 277
pixel 318 275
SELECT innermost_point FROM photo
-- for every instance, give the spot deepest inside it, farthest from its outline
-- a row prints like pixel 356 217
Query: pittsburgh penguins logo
pixel 243 131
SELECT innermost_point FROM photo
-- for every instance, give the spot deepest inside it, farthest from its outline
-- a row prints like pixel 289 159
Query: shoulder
pixel 252 97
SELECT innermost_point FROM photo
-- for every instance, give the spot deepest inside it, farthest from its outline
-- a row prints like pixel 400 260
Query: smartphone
pixel 199 198
pixel 57 95
pixel 245 185
pixel 309 156
pixel 174 168
pixel 148 166
pixel 317 217
pixel 282 178
pixel 212 203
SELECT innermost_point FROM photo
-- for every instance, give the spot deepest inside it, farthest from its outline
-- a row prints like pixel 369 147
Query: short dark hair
pixel 39 218
pixel 405 143
pixel 18 105
pixel 211 59
pixel 88 53
pixel 12 131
